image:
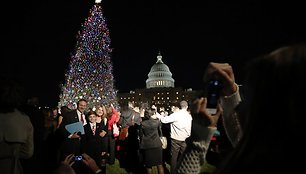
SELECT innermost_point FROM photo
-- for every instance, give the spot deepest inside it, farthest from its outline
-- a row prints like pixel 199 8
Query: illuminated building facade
pixel 159 90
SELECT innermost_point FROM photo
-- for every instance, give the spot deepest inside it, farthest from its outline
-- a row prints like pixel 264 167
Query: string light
pixel 89 74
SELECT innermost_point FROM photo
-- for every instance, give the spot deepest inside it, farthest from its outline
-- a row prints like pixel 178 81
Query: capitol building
pixel 160 89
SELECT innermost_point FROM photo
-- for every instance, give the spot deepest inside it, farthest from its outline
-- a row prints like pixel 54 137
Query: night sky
pixel 40 35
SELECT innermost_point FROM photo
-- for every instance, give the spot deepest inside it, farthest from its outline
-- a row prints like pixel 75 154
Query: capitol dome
pixel 159 75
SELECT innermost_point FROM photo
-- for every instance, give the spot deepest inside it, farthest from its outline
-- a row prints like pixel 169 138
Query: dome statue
pixel 159 75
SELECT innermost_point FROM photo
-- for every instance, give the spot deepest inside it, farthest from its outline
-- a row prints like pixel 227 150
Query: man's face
pixel 82 106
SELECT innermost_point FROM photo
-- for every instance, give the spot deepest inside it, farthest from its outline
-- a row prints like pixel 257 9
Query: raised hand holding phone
pixel 213 90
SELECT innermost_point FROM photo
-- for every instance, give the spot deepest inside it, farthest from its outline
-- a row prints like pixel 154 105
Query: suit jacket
pixel 69 145
pixel 149 135
pixel 126 118
pixel 68 118
pixel 94 144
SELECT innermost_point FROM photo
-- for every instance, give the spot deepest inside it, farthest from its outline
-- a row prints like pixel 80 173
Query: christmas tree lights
pixel 89 74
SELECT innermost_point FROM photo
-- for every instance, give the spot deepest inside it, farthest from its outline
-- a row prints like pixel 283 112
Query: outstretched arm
pixel 230 98
pixel 204 124
pixel 203 128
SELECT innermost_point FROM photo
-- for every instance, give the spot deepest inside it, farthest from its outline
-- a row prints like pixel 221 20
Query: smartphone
pixel 213 94
pixel 78 157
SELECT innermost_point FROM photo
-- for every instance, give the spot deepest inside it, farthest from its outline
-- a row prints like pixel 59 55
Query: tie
pixel 93 130
pixel 82 118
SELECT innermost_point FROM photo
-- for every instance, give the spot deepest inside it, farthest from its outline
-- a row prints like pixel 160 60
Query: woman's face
pixel 100 111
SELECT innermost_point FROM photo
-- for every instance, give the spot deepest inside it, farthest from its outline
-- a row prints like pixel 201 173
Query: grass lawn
pixel 115 169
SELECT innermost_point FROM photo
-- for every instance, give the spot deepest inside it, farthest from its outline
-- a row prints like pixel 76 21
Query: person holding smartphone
pixel 65 166
pixel 213 90
pixel 262 126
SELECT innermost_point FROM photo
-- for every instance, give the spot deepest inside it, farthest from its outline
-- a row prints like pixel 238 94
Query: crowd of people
pixel 264 126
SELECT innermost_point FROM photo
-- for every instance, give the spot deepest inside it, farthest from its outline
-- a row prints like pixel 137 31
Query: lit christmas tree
pixel 89 75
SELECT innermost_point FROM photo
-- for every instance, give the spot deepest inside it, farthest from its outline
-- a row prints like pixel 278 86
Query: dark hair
pixel 64 109
pixel 12 94
pixel 275 85
pixel 148 113
pixel 275 92
pixel 91 112
pixel 81 100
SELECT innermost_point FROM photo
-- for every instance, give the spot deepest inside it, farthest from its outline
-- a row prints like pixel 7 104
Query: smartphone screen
pixel 213 93
pixel 78 158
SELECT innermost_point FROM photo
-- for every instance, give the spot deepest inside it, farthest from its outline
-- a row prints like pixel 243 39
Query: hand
pixel 154 107
pixel 198 111
pixel 91 163
pixel 223 72
pixel 102 133
pixel 75 135
pixel 69 160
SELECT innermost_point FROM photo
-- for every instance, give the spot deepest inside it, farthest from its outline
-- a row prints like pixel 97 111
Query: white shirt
pixel 180 124
pixel 93 127
pixel 81 115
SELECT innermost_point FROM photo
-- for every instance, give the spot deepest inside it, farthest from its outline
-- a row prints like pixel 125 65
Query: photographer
pixel 66 165
pixel 262 126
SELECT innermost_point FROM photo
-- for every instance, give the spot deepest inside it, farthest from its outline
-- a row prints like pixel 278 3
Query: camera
pixel 213 94
pixel 78 158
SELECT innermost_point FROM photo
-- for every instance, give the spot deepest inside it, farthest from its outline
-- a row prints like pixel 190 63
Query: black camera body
pixel 213 90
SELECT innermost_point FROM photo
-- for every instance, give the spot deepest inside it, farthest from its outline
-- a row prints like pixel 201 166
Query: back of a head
pixel 275 90
pixel 183 104
pixel 64 109
pixel 276 85
pixel 12 94
pixel 33 101
pixel 148 113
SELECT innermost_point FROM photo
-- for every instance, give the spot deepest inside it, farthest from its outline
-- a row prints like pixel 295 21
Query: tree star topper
pixel 98 1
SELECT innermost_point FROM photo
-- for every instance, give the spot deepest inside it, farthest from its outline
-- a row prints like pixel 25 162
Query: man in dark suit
pixel 71 142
